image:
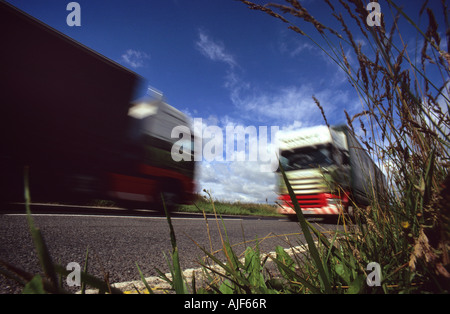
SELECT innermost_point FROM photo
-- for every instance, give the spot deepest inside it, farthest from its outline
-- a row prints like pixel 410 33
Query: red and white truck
pixel 328 170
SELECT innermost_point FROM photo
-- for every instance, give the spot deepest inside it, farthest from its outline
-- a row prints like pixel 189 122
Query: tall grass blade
pixel 35 286
pixel 85 268
pixel 311 245
pixel 177 274
pixel 147 286
pixel 293 276
pixel 39 243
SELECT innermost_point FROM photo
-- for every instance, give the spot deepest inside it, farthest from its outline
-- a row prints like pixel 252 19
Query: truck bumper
pixel 329 210
pixel 322 206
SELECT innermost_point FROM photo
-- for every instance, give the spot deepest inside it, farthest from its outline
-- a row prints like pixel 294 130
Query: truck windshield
pixel 306 158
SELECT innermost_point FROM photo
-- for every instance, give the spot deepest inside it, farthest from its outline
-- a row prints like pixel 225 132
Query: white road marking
pixel 116 216
pixel 156 282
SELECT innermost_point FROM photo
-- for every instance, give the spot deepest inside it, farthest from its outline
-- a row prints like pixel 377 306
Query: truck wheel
pixel 171 197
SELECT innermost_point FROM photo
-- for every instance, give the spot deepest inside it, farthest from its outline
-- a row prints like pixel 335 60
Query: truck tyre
pixel 171 195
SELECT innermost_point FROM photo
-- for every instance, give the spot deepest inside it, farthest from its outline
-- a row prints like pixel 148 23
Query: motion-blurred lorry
pixel 76 120
pixel 328 170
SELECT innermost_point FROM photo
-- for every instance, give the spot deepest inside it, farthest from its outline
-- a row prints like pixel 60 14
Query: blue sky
pixel 219 61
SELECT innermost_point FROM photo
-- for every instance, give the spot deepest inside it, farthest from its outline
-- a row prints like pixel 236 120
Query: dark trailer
pixel 63 110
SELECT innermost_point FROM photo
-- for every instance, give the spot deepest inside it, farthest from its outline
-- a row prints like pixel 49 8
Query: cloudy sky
pixel 221 62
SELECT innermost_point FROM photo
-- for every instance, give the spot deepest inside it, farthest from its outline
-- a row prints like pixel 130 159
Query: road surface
pixel 118 239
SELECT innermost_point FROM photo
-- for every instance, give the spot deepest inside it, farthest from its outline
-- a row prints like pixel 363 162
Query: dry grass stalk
pixel 404 122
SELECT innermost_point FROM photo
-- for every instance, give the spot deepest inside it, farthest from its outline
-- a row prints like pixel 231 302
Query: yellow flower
pixel 405 224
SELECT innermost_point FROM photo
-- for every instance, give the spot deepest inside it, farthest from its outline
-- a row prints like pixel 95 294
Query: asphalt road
pixel 118 239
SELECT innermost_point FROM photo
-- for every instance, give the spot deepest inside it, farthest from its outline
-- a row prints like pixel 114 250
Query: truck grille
pixel 308 186
pixel 308 201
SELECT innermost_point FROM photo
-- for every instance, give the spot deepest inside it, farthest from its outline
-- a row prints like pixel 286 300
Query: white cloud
pixel 135 58
pixel 213 50
pixel 301 48
pixel 230 179
pixel 292 105
pixel 289 107
pixel 279 106
pixel 237 181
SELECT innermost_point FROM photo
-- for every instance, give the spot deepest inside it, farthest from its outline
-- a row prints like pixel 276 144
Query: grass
pixel 52 276
pixel 403 124
pixel 203 204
